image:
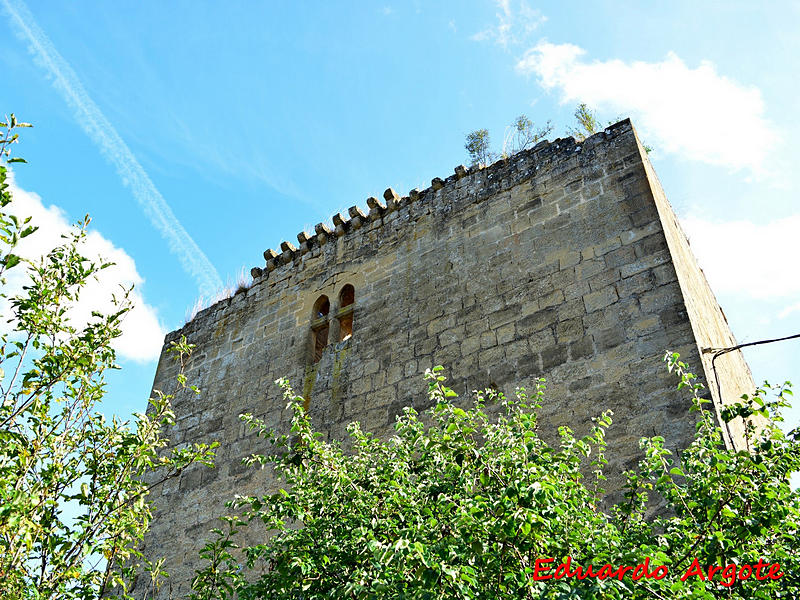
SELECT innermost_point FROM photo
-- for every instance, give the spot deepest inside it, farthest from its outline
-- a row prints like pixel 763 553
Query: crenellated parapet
pixel 377 211
pixel 486 180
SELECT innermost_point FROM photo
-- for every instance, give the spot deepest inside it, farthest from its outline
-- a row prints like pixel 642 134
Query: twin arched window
pixel 321 323
pixel 347 299
pixel 319 326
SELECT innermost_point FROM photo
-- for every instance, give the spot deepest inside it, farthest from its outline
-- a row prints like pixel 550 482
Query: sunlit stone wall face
pixel 564 262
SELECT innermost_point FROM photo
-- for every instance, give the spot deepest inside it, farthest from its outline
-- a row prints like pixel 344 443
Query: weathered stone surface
pixel 556 263
pixel 323 231
pixel 270 254
pixel 392 199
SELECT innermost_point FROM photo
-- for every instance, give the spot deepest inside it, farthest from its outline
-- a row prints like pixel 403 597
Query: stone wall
pixel 709 324
pixel 564 261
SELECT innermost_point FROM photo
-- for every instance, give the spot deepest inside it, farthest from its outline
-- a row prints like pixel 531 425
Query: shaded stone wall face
pixel 709 324
pixel 555 263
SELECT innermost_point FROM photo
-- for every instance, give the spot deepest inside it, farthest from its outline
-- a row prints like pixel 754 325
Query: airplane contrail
pixel 102 133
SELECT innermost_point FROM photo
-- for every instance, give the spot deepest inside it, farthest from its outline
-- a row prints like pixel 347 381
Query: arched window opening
pixel 345 327
pixel 321 307
pixel 347 298
pixel 319 327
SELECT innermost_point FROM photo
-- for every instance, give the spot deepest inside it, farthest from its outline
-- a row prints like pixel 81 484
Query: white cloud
pixel 142 334
pixel 694 112
pixel 513 26
pixel 746 259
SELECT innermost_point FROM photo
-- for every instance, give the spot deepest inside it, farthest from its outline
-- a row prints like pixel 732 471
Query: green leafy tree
pixel 459 505
pixel 478 146
pixel 73 499
pixel 586 123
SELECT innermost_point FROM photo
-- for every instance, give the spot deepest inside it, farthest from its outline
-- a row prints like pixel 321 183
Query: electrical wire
pixel 720 351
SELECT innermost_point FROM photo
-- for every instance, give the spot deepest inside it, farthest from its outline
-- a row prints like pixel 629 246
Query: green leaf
pixel 10 260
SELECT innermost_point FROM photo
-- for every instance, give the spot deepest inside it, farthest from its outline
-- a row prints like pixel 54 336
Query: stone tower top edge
pixel 286 257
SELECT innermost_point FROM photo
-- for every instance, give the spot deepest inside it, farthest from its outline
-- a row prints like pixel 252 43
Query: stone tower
pixel 565 261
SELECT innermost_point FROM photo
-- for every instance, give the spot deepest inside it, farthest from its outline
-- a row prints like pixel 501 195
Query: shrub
pixel 471 507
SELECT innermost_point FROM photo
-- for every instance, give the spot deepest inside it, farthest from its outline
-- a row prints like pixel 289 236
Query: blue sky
pixel 197 135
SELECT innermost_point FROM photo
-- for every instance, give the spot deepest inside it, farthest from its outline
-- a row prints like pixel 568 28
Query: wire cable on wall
pixel 720 351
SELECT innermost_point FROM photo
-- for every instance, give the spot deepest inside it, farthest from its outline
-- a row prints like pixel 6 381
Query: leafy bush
pixel 73 495
pixel 477 144
pixel 520 135
pixel 473 507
